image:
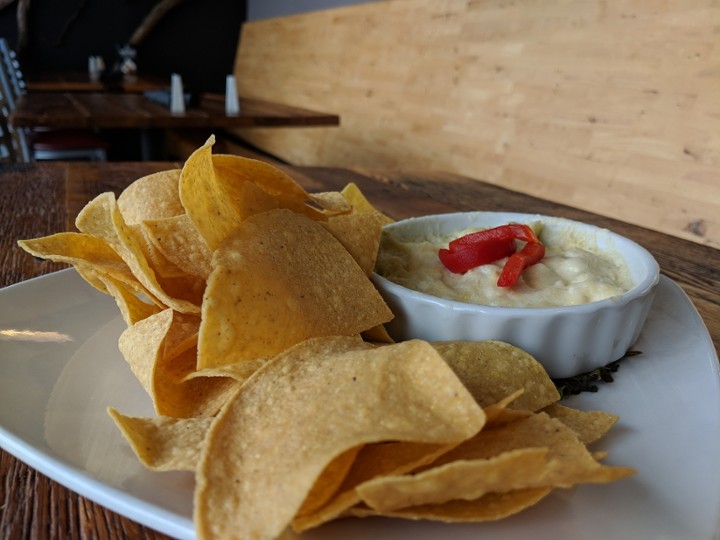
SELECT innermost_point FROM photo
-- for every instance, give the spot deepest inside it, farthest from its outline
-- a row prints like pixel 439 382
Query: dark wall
pixel 198 38
pixel 265 9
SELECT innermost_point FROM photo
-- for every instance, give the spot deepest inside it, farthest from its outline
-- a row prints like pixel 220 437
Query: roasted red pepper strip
pixel 527 256
pixel 503 232
pixel 463 258
pixel 483 247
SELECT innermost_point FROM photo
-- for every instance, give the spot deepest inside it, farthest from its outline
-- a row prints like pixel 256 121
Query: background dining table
pixel 78 81
pixel 112 110
pixel 43 198
pixel 136 111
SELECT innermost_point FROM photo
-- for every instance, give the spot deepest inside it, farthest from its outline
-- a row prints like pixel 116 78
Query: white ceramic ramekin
pixel 567 340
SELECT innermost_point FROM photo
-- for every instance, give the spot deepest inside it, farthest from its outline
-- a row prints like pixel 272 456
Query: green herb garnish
pixel 588 381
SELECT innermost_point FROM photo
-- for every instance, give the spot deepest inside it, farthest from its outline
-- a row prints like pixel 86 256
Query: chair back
pixel 14 145
pixel 7 151
pixel 11 66
pixel 23 145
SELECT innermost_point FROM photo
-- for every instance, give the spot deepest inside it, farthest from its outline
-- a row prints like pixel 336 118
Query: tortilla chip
pixel 492 370
pixel 569 462
pixel 155 196
pixel 161 265
pixel 331 203
pixel 278 280
pixel 85 252
pixel 180 243
pixel 360 204
pixel 213 214
pixel 360 236
pixel 237 169
pixel 374 460
pixel 459 479
pixel 162 443
pixel 589 426
pixel 533 452
pixel 240 371
pixel 490 507
pixel 249 486
pixel 220 192
pixel 378 334
pixel 329 481
pixel 102 218
pixel 160 351
pixel 132 308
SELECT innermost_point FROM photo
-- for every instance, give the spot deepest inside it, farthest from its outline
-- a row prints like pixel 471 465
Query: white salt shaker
pixel 177 98
pixel 232 105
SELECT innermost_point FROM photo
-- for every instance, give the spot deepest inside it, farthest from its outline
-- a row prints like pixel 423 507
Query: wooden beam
pixel 151 20
pixel 23 8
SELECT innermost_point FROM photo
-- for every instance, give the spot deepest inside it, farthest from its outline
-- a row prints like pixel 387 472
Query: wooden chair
pixel 39 144
pixel 14 146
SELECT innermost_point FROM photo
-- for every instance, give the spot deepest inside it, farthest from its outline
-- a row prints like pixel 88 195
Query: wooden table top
pixel 77 81
pixel 108 110
pixel 43 198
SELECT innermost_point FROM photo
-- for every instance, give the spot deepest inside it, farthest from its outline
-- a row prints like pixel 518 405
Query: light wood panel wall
pixel 611 106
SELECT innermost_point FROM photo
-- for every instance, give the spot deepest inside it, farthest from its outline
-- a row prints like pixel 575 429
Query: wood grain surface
pixel 40 199
pixel 131 110
pixel 608 106
pixel 78 81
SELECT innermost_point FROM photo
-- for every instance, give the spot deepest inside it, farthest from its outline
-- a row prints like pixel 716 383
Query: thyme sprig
pixel 588 381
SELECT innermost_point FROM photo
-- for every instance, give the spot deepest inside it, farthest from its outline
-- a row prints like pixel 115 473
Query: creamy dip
pixel 572 272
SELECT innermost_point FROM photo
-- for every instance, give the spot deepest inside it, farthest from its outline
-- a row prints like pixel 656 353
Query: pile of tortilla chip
pixel 254 327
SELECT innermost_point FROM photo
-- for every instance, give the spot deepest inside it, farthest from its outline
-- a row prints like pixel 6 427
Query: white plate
pixel 54 394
